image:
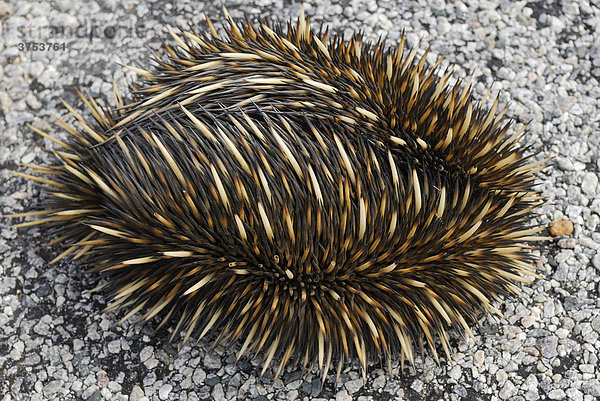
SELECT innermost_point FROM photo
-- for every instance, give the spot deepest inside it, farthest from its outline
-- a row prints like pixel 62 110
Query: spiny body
pixel 310 198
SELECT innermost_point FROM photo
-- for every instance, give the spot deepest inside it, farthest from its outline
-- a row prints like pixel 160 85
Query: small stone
pixel 444 26
pixel 102 379
pixel 5 9
pixel 52 387
pixel 218 394
pixel 136 394
pixel 292 377
pixel 113 386
pixel 596 261
pixel 212 361
pixel 461 391
pixel 455 372
pixel 548 347
pixel 561 227
pixel 114 347
pixel 532 395
pixel 549 308
pixel 317 387
pixel 567 243
pixel 528 321
pixel 199 376
pixel 343 396
pixel 146 353
pixel 5 103
pixel 562 333
pixel 596 324
pixel 574 394
pixel 567 164
pixel 556 394
pixel 589 183
pixel 151 363
pixel 293 385
pixel 591 387
pixel 592 222
pixel 354 385
pixel 479 358
pixel 17 351
pixel 588 243
pixel 77 344
pixel 508 390
pixel 501 376
pixel 186 383
pixel 306 387
pixel 28 157
pixel 531 383
pixel 212 380
pixel 379 382
pixel 33 102
pixel 417 385
pixel 561 273
pixel 164 391
pixel 96 396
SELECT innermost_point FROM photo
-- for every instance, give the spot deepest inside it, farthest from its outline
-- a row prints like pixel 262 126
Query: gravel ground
pixel 543 57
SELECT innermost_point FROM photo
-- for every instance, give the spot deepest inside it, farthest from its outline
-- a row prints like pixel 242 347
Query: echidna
pixel 305 196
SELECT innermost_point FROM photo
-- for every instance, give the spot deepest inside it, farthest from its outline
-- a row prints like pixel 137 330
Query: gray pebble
pixel 354 385
pixel 149 379
pixel 164 391
pixel 343 396
pixel 592 222
pixel 5 9
pixel 567 243
pixel 146 353
pixel 561 272
pixel 595 324
pixel 596 261
pixel 217 393
pixel 316 387
pixel 95 396
pixel 569 165
pixel 531 383
pixel 556 394
pixel 478 358
pixel 211 379
pixel 162 356
pixel 53 387
pixel 508 390
pixel 417 385
pixel 588 243
pixel 212 361
pixel 455 372
pixel 114 346
pixel 591 387
pixel 548 346
pixel 294 385
pixel 199 376
pixel 461 391
pixel 589 183
pixel 562 333
pixel 292 376
pixel 574 394
pixel 151 363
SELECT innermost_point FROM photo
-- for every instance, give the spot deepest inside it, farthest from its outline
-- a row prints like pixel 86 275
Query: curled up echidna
pixel 308 198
